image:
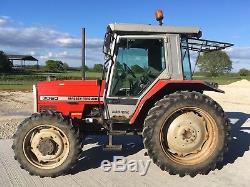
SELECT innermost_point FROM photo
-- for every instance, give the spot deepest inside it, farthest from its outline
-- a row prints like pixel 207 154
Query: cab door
pixel 139 61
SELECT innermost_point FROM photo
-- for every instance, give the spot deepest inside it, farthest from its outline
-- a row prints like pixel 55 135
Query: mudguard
pixel 169 86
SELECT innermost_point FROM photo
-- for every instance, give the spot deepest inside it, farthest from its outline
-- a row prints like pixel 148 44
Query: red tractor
pixel 147 90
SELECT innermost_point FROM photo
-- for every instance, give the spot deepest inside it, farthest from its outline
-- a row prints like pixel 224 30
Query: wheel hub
pixel 189 135
pixel 186 134
pixel 47 146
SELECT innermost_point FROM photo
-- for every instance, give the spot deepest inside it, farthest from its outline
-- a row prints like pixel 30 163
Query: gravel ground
pixel 233 171
pixel 14 107
pixel 235 168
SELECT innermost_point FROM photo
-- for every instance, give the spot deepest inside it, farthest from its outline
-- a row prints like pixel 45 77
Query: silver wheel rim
pixel 191 137
pixel 46 147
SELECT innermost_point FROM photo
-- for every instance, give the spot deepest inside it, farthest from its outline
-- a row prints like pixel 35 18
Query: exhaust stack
pixel 83 53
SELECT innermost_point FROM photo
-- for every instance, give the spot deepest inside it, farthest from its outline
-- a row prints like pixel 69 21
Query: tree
pixel 54 66
pixel 97 68
pixel 5 63
pixel 244 72
pixel 86 68
pixel 65 66
pixel 215 62
pixel 137 69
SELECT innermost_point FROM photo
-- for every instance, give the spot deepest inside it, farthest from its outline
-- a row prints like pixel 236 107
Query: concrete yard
pixel 233 171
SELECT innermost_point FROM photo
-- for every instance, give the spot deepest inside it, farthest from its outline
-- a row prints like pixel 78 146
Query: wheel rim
pixel 189 136
pixel 46 146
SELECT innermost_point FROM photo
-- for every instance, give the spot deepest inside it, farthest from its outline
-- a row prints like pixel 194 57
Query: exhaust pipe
pixel 83 53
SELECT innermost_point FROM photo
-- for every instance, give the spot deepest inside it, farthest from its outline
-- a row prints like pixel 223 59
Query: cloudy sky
pixel 50 29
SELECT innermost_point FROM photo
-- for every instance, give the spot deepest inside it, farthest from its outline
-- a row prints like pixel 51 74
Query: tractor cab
pixel 139 56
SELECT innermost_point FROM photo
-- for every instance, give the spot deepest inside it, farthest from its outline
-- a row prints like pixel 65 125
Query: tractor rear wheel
pixel 46 145
pixel 186 133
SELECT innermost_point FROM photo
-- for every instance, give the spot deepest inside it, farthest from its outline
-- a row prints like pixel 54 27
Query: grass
pixel 223 79
pixel 24 81
pixel 16 85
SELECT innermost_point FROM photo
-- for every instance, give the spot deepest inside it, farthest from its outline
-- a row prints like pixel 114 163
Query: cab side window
pixel 138 63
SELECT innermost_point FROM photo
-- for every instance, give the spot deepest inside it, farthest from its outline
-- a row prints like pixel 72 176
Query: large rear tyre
pixel 46 145
pixel 186 133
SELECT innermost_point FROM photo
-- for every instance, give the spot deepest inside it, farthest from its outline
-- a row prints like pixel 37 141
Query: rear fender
pixel 165 87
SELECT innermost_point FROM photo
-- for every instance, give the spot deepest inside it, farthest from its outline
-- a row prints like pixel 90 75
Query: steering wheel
pixel 145 80
pixel 128 69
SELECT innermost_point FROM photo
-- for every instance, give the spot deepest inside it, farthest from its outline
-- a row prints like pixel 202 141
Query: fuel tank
pixel 69 97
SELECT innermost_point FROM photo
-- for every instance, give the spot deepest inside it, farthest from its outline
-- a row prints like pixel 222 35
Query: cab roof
pixel 123 28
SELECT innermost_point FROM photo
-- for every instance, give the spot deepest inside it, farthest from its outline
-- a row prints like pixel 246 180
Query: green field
pixel 24 81
pixel 223 79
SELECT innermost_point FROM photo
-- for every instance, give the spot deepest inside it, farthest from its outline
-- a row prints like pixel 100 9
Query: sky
pixel 50 29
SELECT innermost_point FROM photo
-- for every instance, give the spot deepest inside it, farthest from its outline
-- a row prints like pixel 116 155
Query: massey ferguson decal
pixel 48 98
pixel 68 98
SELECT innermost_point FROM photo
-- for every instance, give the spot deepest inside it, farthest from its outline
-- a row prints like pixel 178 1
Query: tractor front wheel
pixel 186 133
pixel 46 145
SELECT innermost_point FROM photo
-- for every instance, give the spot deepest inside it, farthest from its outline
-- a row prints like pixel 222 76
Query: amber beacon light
pixel 159 16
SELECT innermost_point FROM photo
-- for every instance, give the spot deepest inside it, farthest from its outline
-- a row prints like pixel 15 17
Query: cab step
pixel 117 133
pixel 111 146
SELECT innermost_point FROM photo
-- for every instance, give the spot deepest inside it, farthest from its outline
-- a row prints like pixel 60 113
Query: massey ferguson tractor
pixel 146 89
